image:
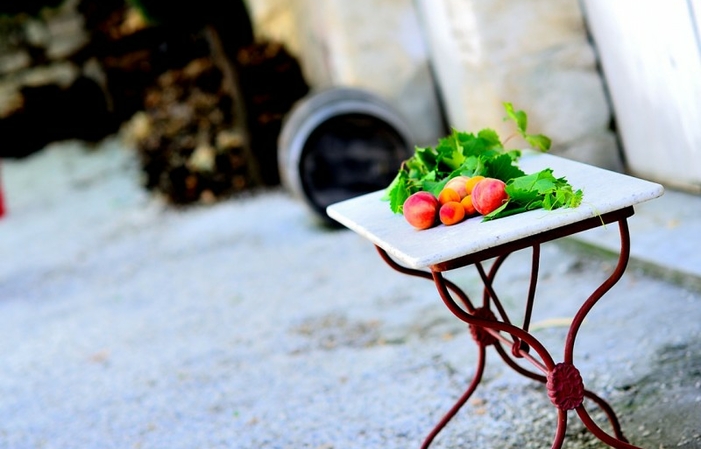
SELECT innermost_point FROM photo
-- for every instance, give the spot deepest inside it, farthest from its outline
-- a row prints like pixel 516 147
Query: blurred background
pixel 202 90
pixel 126 323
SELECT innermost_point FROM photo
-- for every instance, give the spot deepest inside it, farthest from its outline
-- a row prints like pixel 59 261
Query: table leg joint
pixel 479 333
pixel 565 386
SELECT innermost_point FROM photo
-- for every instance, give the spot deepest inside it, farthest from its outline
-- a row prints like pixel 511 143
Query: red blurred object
pixel 2 201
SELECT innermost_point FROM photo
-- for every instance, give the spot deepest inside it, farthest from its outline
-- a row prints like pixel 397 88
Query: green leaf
pixel 392 186
pixel 397 192
pixel 548 202
pixel 483 153
pixel 535 191
pixel 427 158
pixel 485 144
pixel 504 211
pixel 430 181
pixel 539 182
pixel 501 167
pixel 490 138
pixel 498 212
pixel 435 187
pixel 520 195
pixel 469 167
pixel 451 162
pixel 538 141
pixel 519 117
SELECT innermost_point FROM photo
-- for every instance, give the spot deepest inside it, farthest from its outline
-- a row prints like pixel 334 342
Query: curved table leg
pixel 563 381
pixel 561 429
pixel 613 419
pixel 426 275
pixel 602 404
pixel 460 402
pixel 617 442
pixel 572 333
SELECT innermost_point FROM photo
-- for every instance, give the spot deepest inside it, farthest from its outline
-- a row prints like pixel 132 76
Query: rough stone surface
pixel 275 20
pixel 533 53
pixel 389 57
pixel 243 325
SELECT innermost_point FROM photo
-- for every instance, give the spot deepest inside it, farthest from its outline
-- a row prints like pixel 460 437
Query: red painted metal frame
pixel 562 380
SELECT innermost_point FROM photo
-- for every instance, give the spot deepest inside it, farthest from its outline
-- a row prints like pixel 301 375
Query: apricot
pixel 421 210
pixel 458 185
pixel 447 195
pixel 488 195
pixel 469 207
pixel 471 182
pixel 451 213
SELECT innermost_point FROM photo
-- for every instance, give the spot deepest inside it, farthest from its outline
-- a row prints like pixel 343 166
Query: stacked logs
pixel 188 144
pixel 184 136
pixel 85 69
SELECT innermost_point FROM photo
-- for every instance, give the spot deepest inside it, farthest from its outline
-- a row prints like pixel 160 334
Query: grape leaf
pixel 491 139
pixel 469 154
pixel 519 117
pixel 537 141
pixel 485 143
pixel 397 192
pixel 501 167
pixel 450 156
pixel 537 190
pixel 427 158
pixel 470 167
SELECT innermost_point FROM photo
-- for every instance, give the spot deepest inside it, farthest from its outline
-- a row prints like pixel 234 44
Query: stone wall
pixel 533 53
pixel 376 45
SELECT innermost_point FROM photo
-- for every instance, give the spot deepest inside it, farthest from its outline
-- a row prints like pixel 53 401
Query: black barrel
pixel 340 143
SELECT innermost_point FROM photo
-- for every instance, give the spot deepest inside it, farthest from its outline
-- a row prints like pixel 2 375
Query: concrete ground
pixel 128 324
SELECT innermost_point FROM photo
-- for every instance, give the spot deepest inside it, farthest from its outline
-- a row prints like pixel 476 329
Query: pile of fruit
pixel 468 175
pixel 461 198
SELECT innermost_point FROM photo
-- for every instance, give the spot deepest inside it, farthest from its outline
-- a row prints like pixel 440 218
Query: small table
pixel 609 197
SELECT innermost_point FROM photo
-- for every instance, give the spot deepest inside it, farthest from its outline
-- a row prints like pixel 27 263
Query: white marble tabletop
pixel 604 191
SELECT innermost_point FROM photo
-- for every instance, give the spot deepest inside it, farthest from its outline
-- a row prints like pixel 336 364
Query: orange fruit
pixel 447 195
pixel 470 183
pixel 468 206
pixel 451 213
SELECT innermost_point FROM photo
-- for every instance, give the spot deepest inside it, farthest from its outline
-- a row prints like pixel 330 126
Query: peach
pixel 458 184
pixel 451 213
pixel 447 195
pixel 469 207
pixel 470 183
pixel 421 210
pixel 488 195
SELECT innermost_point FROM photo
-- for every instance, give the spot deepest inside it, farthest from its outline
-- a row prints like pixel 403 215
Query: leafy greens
pixel 469 154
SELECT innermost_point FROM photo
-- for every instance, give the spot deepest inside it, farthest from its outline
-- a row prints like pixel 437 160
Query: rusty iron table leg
pixel 463 399
pixel 563 381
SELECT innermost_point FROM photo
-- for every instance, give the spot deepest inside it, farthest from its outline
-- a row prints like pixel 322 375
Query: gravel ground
pixel 128 324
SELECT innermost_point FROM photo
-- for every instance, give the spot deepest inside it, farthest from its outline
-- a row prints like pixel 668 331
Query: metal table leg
pixel 562 380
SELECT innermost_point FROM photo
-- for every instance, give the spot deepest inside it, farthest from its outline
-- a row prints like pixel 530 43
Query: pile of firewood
pixel 188 144
pixel 184 136
pixel 85 69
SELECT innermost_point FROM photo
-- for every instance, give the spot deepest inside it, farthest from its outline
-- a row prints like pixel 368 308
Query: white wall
pixel 651 56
